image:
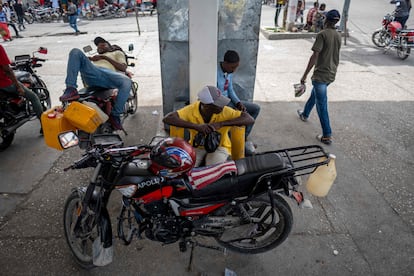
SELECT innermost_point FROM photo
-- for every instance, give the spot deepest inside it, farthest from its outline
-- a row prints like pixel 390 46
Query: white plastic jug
pixel 101 114
pixel 320 181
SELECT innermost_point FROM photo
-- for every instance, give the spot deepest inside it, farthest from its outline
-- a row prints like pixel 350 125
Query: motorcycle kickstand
pixel 193 244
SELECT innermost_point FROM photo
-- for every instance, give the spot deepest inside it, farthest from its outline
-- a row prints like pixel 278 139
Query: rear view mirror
pixel 87 49
pixel 131 47
pixel 42 50
pixel 68 139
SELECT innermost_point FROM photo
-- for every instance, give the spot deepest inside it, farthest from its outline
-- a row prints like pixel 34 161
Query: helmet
pixel 172 157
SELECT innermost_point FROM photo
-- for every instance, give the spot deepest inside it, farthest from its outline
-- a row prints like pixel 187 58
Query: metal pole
pixel 136 17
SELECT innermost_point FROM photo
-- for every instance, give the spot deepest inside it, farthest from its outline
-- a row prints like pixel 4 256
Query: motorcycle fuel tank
pixel 147 188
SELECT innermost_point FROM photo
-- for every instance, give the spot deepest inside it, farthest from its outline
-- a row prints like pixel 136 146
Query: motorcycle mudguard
pixel 102 249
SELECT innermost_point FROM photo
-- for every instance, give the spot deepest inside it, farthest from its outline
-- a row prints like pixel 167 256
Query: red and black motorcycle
pixel 15 110
pixel 239 203
pixel 392 35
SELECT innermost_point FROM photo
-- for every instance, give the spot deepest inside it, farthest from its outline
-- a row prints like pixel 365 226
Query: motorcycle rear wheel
pixel 261 234
pixel 80 245
pixel 5 139
pixel 132 103
pixel 403 51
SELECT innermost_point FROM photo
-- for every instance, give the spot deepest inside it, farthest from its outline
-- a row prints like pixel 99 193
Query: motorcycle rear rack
pixel 302 160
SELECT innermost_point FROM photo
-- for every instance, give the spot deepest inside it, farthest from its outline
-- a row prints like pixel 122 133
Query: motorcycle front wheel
pixel 261 227
pixel 29 19
pixel 80 244
pixel 379 39
pixel 403 51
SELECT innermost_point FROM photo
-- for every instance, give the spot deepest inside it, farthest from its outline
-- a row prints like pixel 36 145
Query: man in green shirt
pixel 325 58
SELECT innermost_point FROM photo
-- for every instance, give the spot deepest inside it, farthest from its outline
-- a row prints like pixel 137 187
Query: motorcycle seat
pixel 248 171
pixel 259 163
pixel 97 92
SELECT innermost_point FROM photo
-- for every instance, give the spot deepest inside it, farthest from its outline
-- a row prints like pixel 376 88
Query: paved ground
pixel 367 217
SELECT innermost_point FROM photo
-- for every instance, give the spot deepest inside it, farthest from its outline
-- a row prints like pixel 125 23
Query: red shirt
pixel 4 60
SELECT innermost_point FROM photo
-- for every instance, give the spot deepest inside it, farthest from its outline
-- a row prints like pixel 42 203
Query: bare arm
pixel 173 119
pixel 244 120
pixel 311 63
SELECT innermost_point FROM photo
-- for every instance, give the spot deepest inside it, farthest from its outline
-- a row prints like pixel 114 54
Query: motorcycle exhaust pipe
pixel 13 128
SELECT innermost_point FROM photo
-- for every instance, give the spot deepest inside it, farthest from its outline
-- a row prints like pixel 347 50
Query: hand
pixel 204 128
pixel 241 107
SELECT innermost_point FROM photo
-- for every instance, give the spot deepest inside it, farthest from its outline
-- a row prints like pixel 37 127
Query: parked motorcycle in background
pixel 99 99
pixel 15 111
pixel 391 35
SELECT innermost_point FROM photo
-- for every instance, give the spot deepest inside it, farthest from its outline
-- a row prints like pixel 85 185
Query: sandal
pixel 323 139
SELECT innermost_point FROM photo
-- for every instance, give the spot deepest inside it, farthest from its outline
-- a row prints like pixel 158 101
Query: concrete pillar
pixel 238 26
pixel 291 14
pixel 203 27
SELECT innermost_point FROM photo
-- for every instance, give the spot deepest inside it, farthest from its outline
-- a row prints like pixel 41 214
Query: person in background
pixel 325 58
pixel 225 70
pixel 279 5
pixel 310 16
pixel 319 18
pixel 299 10
pixel 402 11
pixel 210 113
pixel 73 16
pixel 7 11
pixel 9 84
pixel 4 27
pixel 18 9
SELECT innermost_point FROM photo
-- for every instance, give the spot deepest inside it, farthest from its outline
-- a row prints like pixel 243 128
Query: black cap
pixel 333 15
pixel 99 39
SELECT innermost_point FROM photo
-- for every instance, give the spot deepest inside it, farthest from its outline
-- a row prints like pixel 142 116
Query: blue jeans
pixel 319 97
pixel 72 22
pixel 251 108
pixel 93 75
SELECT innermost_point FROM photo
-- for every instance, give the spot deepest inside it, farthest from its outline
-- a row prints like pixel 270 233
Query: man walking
pixel 325 58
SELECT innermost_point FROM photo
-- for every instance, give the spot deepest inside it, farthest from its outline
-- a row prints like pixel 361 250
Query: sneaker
pixel 70 94
pixel 301 116
pixel 323 139
pixel 115 122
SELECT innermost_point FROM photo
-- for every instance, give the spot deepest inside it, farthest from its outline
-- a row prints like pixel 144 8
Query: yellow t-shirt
pixel 118 56
pixel 191 113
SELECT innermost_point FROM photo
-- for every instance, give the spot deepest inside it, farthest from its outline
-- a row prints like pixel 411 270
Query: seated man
pixel 9 84
pixel 107 70
pixel 225 71
pixel 209 113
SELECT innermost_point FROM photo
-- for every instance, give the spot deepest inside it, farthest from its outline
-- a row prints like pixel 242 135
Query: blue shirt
pixel 3 17
pixel 221 81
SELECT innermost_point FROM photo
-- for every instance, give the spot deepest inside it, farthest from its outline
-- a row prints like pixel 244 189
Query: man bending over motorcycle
pixel 9 84
pixel 107 70
pixel 210 113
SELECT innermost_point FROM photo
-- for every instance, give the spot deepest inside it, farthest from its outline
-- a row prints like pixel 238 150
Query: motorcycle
pixel 15 111
pixel 105 98
pixel 240 203
pixel 392 36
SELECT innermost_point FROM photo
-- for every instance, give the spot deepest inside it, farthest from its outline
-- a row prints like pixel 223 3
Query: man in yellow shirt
pixel 210 113
pixel 107 70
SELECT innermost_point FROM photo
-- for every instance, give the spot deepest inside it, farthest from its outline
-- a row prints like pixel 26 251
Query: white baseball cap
pixel 212 95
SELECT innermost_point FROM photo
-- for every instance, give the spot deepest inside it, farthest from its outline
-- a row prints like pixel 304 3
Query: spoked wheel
pixel 80 243
pixel 5 138
pixel 43 94
pixel 261 228
pixel 403 51
pixel 132 103
pixel 379 38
